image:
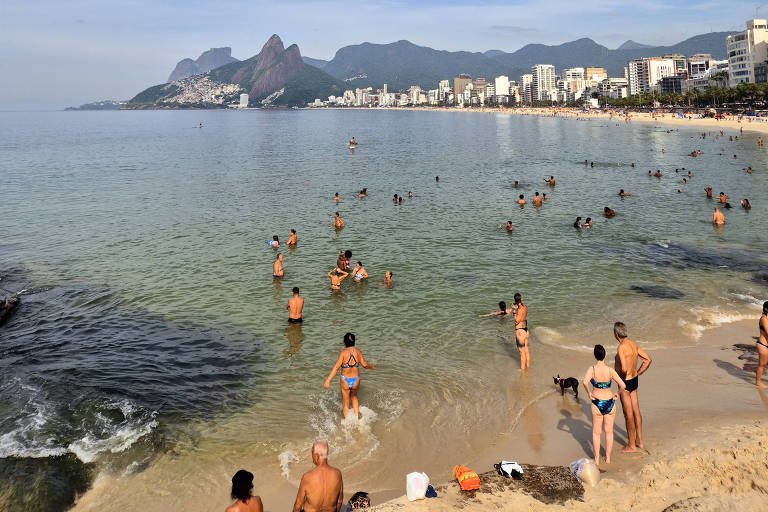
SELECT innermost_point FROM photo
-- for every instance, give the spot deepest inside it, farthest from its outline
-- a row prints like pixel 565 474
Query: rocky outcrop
pixel 212 59
pixel 265 72
pixel 8 308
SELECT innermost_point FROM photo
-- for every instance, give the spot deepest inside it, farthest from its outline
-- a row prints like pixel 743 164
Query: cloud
pixel 513 29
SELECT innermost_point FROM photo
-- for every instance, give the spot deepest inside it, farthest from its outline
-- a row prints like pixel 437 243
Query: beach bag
pixel 416 486
pixel 509 469
pixel 467 479
pixel 358 500
pixel 586 471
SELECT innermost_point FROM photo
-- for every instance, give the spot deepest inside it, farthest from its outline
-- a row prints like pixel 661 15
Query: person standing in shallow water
pixel 520 312
pixel 762 346
pixel 242 486
pixel 603 407
pixel 349 361
pixel 626 366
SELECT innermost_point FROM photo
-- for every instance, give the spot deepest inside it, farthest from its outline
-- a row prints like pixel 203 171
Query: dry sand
pixel 731 124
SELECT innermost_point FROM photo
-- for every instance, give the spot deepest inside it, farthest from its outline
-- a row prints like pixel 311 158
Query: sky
pixel 56 53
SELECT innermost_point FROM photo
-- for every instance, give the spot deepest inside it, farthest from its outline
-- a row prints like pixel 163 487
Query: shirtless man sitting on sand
pixel 277 267
pixel 322 489
pixel 294 307
pixel 626 366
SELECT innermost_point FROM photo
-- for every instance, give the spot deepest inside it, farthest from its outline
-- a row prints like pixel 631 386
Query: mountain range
pixel 282 76
pixel 207 61
pixel 275 76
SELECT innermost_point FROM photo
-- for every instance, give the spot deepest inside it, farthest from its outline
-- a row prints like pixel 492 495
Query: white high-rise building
pixel 243 101
pixel 443 90
pixel 745 51
pixel 573 74
pixel 525 88
pixel 501 86
pixel 543 81
pixel 644 74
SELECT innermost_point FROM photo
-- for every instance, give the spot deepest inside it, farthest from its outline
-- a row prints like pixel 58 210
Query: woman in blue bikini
pixel 350 360
pixel 600 377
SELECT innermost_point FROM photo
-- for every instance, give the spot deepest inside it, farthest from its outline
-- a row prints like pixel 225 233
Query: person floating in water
pixel 722 197
pixel 603 400
pixel 337 222
pixel 502 311
pixel 608 212
pixel 295 307
pixel 745 204
pixel 536 200
pixel 291 238
pixel 657 173
pixel 577 223
pixel 388 278
pixel 708 190
pixel 521 200
pixel 363 193
pixel 336 197
pixel 588 222
pixel 550 180
pixel 349 361
pixel 624 194
pixel 352 142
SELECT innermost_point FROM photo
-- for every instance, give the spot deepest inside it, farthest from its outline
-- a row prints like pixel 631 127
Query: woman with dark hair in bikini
pixel 350 360
pixel 600 376
pixel 762 346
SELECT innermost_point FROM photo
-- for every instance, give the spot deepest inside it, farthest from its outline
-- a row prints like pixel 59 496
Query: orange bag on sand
pixel 467 479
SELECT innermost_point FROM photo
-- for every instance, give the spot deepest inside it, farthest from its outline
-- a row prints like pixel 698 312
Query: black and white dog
pixel 564 384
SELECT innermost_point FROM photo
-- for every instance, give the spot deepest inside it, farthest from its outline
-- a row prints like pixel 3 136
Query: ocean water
pixel 152 339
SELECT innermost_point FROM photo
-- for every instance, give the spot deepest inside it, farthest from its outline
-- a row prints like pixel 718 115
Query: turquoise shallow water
pixel 142 242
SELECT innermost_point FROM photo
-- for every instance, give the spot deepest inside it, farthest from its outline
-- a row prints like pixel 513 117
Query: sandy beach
pixel 759 125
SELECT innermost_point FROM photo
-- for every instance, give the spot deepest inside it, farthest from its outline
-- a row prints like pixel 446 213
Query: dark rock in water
pixel 658 291
pixel 548 484
pixel 8 308
pixel 42 484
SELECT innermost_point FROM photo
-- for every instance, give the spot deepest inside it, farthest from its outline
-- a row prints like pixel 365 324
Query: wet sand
pixel 700 411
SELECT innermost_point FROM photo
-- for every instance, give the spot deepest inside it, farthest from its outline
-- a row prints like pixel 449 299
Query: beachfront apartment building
pixel 698 64
pixel 459 84
pixel 595 75
pixel 746 50
pixel 614 88
pixel 543 81
pixel 526 85
pixel 643 75
pixel 501 85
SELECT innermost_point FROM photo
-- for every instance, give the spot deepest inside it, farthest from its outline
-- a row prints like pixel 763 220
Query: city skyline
pixel 85 52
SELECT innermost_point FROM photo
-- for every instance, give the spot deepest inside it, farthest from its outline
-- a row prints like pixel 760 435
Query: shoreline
pixel 666 118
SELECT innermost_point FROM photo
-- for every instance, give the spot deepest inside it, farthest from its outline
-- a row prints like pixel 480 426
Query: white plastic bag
pixel 586 471
pixel 416 486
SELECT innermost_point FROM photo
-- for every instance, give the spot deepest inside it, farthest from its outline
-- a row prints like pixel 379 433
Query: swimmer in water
pixel 588 222
pixel 649 173
pixel 521 201
pixel 336 276
pixel 749 170
pixel 502 311
pixel 585 162
pixel 275 242
pixel 337 222
pixel 359 273
pixel 684 181
pixel 277 267
pixel 722 197
pixel 291 238
pixel 507 227
pixel 718 218
pixel 624 194
pixel 363 193
pixel 349 361
pixel 294 307
pixel 516 185
pixel 336 197
pixel 690 175
pixel 708 190
pixel 536 200
pixel 394 199
pixel 352 142
pixel 400 200
pixel 437 178
pixel 544 196
pixel 410 195
pixel 657 173
pixel 608 212
pixel 388 278
pixel 551 181
pixel 577 223
pixel 745 204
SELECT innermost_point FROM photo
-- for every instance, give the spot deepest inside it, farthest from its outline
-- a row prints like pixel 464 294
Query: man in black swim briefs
pixel 626 366
pixel 294 307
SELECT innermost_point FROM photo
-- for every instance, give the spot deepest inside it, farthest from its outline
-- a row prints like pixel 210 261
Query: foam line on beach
pixel 520 413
